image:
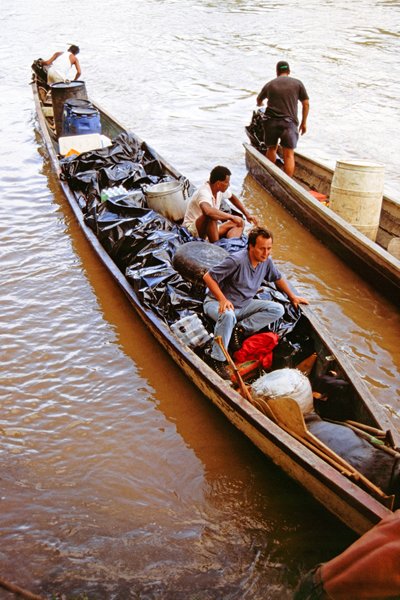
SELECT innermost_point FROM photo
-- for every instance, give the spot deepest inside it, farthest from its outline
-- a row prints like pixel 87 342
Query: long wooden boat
pixel 348 500
pixel 370 259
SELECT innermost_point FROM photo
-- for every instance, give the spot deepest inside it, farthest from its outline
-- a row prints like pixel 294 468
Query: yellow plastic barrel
pixel 356 194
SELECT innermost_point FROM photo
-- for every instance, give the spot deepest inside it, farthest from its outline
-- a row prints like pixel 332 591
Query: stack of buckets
pixel 74 114
pixel 80 117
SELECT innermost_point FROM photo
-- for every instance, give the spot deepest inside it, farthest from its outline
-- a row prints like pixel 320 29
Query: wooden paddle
pixel 244 390
pixel 306 365
pixel 288 414
pixel 280 418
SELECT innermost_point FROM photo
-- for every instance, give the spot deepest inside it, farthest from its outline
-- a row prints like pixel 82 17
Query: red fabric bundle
pixel 258 347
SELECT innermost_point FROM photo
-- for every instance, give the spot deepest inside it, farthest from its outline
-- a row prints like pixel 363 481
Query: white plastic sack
pixel 281 383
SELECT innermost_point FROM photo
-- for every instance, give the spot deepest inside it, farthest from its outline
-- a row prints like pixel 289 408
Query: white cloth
pixel 61 69
pixel 203 194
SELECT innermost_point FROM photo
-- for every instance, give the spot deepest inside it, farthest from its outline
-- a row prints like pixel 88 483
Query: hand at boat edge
pixel 251 219
pixel 296 300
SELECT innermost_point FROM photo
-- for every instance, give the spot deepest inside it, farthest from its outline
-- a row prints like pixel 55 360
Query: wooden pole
pixel 243 388
pixel 372 430
pixel 15 589
pixel 288 413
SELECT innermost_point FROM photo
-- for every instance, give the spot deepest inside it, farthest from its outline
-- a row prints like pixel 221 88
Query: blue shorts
pixel 276 130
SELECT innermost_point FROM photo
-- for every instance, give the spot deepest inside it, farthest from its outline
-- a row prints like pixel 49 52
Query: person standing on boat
pixel 63 65
pixel 282 125
pixel 230 300
pixel 205 219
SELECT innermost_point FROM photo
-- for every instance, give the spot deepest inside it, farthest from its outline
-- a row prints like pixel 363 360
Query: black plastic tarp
pixel 126 162
pixel 255 130
pixel 142 242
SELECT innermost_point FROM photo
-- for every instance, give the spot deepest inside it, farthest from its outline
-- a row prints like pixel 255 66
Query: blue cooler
pixel 82 120
pixel 69 106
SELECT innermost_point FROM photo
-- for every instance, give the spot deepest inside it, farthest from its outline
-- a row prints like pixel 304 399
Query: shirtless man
pixel 61 66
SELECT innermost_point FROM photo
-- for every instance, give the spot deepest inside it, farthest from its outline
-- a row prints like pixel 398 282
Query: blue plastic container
pixel 69 106
pixel 62 92
pixel 80 120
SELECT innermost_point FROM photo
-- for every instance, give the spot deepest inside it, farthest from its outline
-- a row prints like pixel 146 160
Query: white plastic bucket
pixel 168 199
pixel 356 194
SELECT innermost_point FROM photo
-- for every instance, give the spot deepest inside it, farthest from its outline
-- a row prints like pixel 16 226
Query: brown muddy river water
pixel 118 478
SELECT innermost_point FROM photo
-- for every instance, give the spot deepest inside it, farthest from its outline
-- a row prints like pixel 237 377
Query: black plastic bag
pixel 256 132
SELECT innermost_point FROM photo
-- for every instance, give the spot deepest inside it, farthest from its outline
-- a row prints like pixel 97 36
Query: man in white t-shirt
pixel 205 219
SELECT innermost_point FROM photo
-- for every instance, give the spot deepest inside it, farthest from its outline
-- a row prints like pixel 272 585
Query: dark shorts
pixel 276 130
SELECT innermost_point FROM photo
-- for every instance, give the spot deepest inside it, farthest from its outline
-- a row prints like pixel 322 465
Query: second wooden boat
pixel 299 195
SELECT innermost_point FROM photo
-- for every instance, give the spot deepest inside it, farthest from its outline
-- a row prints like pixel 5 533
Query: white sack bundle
pixel 290 383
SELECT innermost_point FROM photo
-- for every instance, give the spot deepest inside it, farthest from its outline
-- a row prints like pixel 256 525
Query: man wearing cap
pixel 282 125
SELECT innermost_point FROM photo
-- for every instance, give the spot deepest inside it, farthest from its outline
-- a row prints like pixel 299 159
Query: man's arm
pixel 219 215
pixel 224 303
pixel 283 286
pixel 260 99
pixel 75 62
pixel 368 568
pixel 238 204
pixel 52 59
pixel 261 96
pixel 306 110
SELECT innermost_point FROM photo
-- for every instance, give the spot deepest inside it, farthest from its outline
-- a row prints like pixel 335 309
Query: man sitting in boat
pixel 62 66
pixel 230 300
pixel 203 217
pixel 283 94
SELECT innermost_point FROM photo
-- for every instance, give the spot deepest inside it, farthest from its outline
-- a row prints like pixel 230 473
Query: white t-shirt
pixel 203 194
